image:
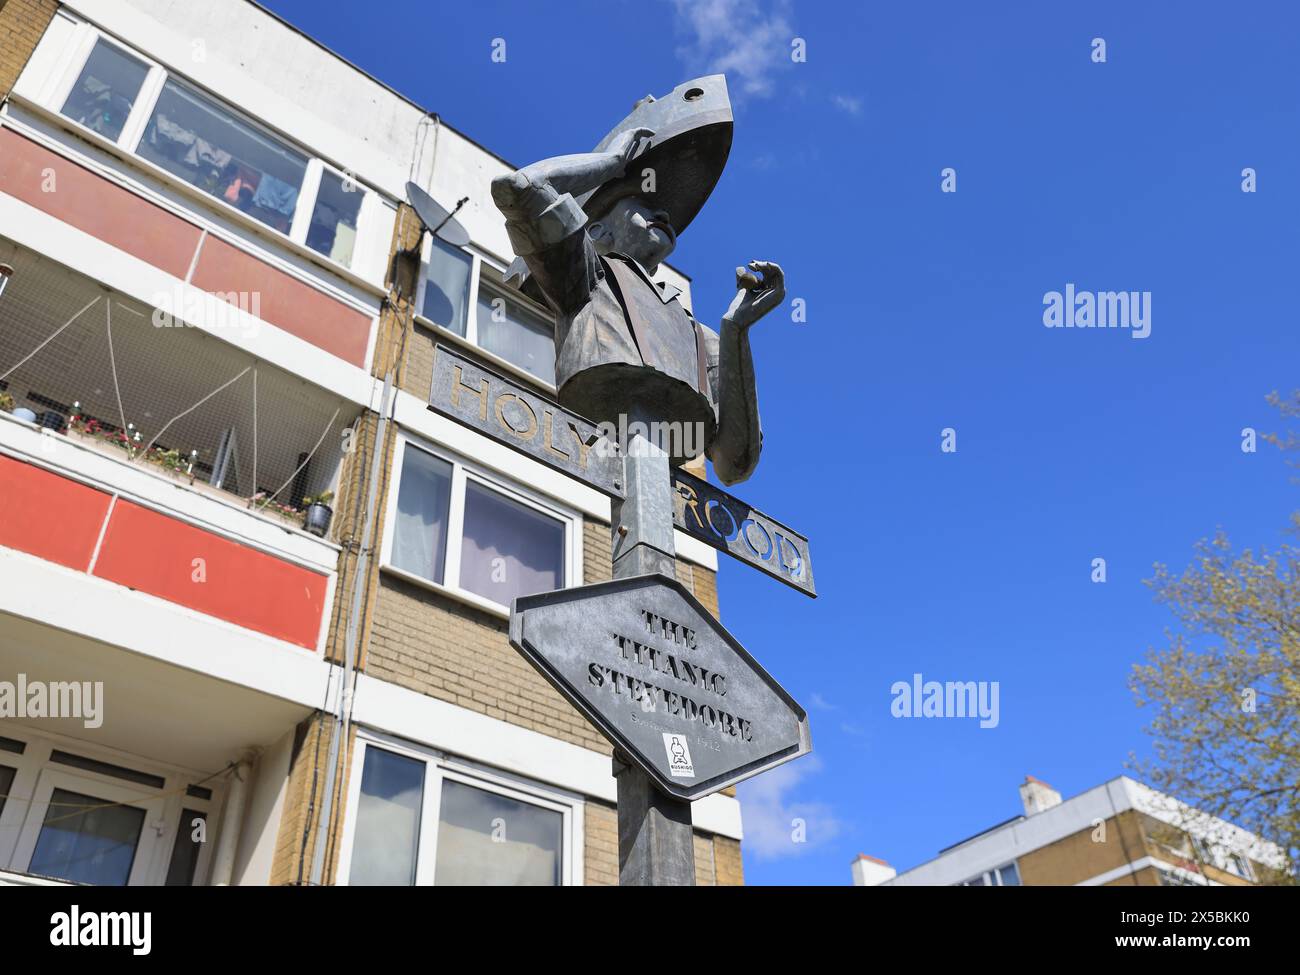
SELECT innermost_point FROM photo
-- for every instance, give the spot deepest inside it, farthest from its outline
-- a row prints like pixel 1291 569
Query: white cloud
pixel 772 814
pixel 820 703
pixel 740 38
pixel 847 104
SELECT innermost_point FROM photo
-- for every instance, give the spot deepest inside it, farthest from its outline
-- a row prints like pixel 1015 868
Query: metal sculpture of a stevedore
pixel 591 229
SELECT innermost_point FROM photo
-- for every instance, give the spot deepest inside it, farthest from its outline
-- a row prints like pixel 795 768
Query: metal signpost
pixel 728 524
pixel 686 708
pixel 510 414
pixel 652 669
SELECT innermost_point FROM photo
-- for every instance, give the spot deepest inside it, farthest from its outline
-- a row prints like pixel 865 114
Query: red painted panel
pixel 91 203
pixel 155 553
pixel 47 515
pixel 284 301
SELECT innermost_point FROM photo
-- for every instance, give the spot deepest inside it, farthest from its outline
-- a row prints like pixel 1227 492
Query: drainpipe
pixel 343 706
pixel 343 711
pixel 223 860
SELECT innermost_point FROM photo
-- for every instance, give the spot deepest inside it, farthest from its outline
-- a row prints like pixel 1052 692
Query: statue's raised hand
pixel 759 288
pixel 630 144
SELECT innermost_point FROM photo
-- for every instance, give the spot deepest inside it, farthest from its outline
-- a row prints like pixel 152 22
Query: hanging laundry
pixel 277 195
pixel 204 153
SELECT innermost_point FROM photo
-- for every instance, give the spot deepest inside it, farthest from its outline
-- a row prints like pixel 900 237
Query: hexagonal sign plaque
pixel 651 668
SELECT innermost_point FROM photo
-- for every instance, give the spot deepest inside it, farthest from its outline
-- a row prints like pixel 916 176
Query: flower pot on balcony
pixel 52 420
pixel 317 519
pixel 23 413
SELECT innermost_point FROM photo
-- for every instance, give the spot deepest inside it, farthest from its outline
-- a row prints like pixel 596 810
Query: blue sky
pixel 925 312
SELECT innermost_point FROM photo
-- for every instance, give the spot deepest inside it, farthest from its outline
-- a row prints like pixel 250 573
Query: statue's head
pixel 635 228
pixel 692 127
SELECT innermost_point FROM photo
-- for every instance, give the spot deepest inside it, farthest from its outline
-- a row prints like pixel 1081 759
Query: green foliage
pixel 325 497
pixel 1226 690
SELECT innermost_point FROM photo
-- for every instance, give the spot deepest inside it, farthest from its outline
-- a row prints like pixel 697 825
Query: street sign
pixel 728 524
pixel 518 418
pixel 652 669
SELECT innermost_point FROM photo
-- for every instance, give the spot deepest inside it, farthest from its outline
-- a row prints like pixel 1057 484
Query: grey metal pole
pixel 655 841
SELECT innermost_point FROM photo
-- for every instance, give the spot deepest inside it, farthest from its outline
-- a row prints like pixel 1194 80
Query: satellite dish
pixel 437 218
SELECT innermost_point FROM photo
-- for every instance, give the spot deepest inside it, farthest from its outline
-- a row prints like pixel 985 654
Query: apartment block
pixel 1120 833
pixel 253 591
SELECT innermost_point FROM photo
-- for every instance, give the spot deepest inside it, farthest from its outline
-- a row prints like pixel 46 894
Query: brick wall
pixel 726 858
pixel 717 859
pixel 1080 856
pixel 304 794
pixel 439 646
pixel 22 22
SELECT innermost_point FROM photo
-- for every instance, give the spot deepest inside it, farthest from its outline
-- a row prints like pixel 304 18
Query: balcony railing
pixel 138 384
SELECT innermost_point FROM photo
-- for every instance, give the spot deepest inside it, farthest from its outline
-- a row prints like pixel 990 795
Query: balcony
pixel 149 454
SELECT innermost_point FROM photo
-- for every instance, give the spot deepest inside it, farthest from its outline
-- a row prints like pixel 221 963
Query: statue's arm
pixel 739 440
pixel 538 200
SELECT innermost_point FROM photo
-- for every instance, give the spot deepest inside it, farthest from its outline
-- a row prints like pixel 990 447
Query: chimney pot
pixel 1037 795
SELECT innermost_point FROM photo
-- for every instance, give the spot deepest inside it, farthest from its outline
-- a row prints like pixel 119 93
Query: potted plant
pixel 7 402
pixel 318 513
pixel 263 502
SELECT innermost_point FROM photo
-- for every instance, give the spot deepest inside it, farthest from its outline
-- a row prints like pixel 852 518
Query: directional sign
pixel 649 666
pixel 518 418
pixel 728 524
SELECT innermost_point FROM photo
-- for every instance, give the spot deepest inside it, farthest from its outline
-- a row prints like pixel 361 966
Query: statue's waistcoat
pixel 640 355
pixel 667 338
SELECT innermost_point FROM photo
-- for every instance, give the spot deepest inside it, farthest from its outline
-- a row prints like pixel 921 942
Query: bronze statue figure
pixel 591 229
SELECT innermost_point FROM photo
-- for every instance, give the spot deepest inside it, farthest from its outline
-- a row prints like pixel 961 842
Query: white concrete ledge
pixel 97 609
pixel 417 717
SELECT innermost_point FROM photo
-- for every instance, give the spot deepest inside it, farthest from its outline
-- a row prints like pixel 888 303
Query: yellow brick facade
pixel 1126 839
pixel 432 643
pixel 22 22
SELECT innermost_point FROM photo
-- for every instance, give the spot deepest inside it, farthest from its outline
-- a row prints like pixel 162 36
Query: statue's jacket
pixel 617 330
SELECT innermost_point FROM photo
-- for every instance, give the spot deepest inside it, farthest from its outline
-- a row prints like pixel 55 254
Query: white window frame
pixel 74 61
pixel 992 877
pixel 317 169
pixel 439 767
pixel 1232 860
pixel 37 777
pixel 79 52
pixel 477 262
pixel 471 293
pixel 463 471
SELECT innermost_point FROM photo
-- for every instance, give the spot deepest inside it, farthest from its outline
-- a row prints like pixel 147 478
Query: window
pixel 102 96
pixel 503 323
pixel 1006 875
pixel 1239 865
pixel 509 549
pixel 423 499
pixel 487 839
pixel 446 286
pixel 388 820
pixel 87 839
pixel 6 783
pixel 144 109
pixel 462 530
pixel 189 844
pixel 508 329
pixel 206 145
pixel 427 820
pixel 91 816
pixel 333 230
pixel 1204 852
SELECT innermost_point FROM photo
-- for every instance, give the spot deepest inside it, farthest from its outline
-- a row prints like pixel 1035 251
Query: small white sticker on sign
pixel 679 757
